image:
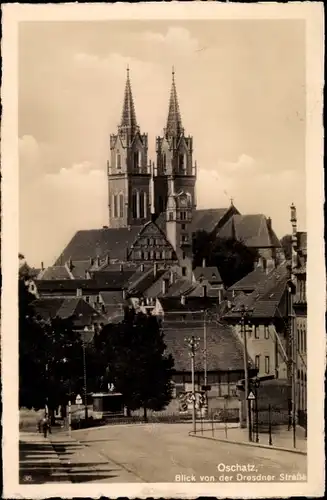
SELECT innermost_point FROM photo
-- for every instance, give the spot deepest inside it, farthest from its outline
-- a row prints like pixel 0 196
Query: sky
pixel 241 90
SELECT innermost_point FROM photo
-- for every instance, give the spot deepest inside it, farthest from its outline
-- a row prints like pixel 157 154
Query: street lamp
pixel 245 313
pixel 193 344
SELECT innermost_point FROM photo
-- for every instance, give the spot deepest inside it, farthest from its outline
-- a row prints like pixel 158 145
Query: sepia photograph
pixel 165 226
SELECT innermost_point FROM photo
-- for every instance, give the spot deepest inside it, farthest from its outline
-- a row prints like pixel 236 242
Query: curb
pixel 244 443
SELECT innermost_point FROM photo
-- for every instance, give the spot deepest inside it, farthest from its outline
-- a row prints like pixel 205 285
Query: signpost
pixel 78 400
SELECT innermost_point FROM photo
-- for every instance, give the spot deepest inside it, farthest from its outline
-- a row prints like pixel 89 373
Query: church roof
pixel 252 230
pixel 128 120
pixel 174 121
pixel 55 273
pixel 99 242
pixel 205 219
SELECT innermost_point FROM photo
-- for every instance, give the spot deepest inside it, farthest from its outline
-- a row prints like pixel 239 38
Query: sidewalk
pixel 38 461
pixel 281 439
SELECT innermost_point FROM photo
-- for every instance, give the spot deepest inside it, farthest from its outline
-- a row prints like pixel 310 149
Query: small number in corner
pixel 27 478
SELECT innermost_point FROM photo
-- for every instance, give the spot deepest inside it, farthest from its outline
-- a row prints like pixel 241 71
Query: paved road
pixel 165 453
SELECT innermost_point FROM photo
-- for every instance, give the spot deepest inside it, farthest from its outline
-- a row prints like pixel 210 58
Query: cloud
pixel 176 38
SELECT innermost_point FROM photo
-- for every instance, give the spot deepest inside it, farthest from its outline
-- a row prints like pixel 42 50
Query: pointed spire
pixel 128 119
pixel 174 121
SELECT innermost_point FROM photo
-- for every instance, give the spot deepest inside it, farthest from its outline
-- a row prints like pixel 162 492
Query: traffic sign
pixel 251 396
pixel 78 400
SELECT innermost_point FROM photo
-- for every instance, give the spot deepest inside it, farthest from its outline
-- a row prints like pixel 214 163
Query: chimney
pixel 124 294
pixel 155 269
pixel 79 292
pixel 91 261
pixel 70 264
pixel 203 262
pixel 121 268
pixel 107 259
pixel 269 223
pixel 204 288
pixel 171 277
pixel 142 268
pixel 97 261
pixel 183 300
pixel 42 266
pixel 165 284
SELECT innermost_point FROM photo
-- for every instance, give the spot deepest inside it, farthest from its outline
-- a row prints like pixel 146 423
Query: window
pixel 115 205
pixel 256 332
pixel 184 271
pixel 134 205
pixel 121 205
pixel 164 161
pixel 183 227
pixel 171 216
pixel 87 298
pixel 257 362
pixel 267 364
pixel 145 207
pixel 158 255
pixel 142 204
pixel 118 161
pixel 183 215
pixel 183 255
pixel 266 332
pixel 146 256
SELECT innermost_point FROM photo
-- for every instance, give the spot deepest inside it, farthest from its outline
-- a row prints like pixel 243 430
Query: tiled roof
pixel 55 273
pixel 182 286
pixel 252 230
pixel 194 304
pixel 112 298
pixel 224 350
pixel 250 281
pixel 47 308
pixel 264 301
pixel 91 285
pixel 207 219
pixel 79 268
pixel 212 291
pixel 210 274
pixel 113 279
pixel 143 282
pixel 82 313
pixel 100 242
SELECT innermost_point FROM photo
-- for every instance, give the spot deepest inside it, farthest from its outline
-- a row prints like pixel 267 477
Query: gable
pixel 252 230
pixel 151 244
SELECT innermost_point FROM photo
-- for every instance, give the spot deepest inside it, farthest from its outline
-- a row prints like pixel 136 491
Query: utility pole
pixel 244 323
pixel 193 344
pixel 84 375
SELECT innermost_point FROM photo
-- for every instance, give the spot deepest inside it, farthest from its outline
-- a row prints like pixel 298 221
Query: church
pixel 152 206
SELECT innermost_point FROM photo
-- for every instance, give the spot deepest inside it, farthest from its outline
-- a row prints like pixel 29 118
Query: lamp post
pixel 84 374
pixel 244 322
pixel 193 344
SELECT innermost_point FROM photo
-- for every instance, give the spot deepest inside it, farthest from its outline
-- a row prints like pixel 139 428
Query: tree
pixel 233 259
pixel 286 243
pixel 136 361
pixel 50 356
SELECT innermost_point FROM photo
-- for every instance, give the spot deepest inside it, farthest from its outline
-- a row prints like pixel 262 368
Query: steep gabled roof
pixel 55 273
pixel 253 230
pixel 264 301
pixel 224 349
pixel 207 219
pixel 99 242
pixel 151 230
pixel 47 308
pixel 112 279
pixel 142 283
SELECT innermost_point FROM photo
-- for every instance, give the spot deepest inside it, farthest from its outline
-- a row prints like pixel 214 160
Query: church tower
pixel 128 170
pixel 175 183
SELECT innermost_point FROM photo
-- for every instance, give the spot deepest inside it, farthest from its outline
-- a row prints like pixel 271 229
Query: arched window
pixel 134 205
pixel 142 204
pixel 115 205
pixel 118 160
pixel 121 205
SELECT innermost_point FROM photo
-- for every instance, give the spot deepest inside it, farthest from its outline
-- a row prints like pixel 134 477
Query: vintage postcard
pixel 163 274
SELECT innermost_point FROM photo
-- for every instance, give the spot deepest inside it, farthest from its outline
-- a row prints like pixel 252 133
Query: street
pixel 159 453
